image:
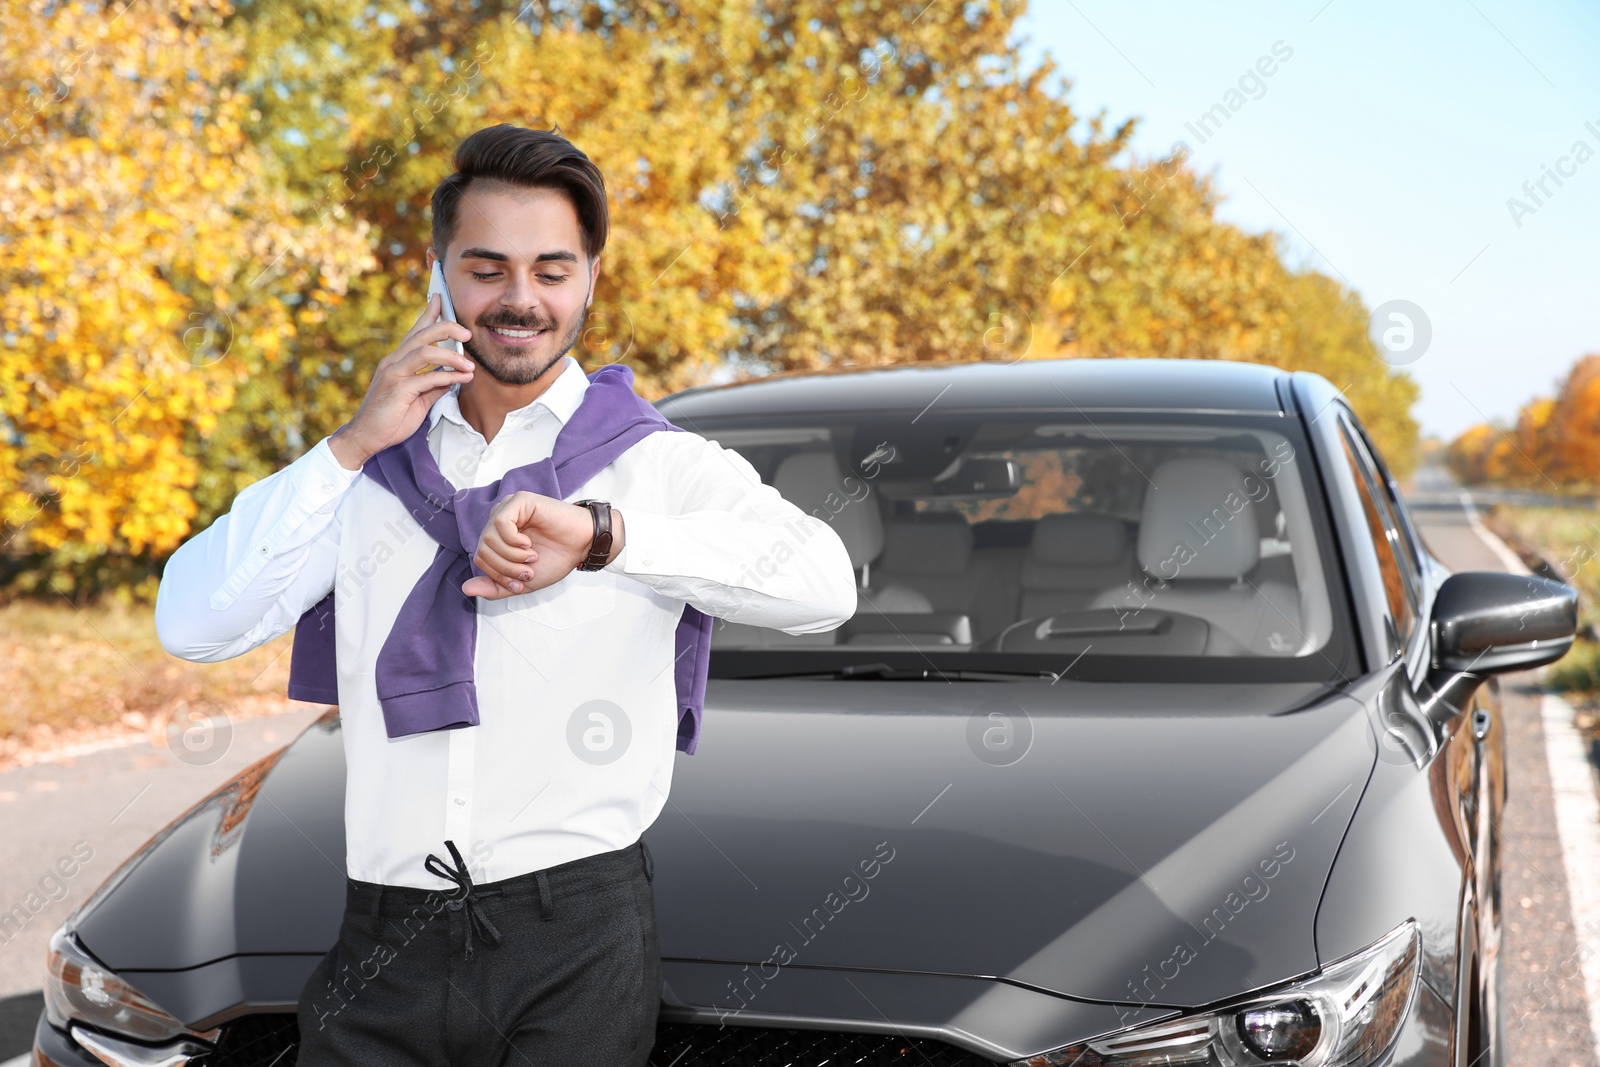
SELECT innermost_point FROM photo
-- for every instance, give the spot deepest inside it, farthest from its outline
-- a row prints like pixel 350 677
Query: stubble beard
pixel 521 369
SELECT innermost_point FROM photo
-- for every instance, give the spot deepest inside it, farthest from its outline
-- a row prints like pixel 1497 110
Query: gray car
pixel 1158 737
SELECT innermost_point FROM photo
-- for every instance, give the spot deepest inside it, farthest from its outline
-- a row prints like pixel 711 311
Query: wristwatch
pixel 600 547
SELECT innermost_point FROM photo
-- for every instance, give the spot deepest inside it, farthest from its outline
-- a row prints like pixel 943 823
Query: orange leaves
pixel 1555 443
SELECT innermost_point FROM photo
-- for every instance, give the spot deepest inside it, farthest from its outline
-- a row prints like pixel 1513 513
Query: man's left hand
pixel 529 542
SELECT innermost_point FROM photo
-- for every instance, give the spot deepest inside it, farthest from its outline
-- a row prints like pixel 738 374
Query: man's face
pixel 517 262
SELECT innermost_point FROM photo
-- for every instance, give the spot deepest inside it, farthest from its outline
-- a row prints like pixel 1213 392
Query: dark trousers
pixel 553 968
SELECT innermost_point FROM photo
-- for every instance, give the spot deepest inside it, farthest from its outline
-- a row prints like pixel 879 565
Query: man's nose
pixel 521 295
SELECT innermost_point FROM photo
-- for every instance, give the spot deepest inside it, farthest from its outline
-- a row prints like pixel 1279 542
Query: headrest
pixel 1078 539
pixel 811 482
pixel 1198 521
pixel 936 543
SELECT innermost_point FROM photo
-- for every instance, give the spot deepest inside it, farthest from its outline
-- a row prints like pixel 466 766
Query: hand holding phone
pixel 393 407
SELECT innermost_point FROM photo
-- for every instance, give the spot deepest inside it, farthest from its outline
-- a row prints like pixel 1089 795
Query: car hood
pixel 1123 843
pixel 255 867
pixel 1132 843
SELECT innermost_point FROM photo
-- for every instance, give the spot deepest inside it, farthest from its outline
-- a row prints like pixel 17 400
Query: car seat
pixel 1073 557
pixel 808 480
pixel 1195 553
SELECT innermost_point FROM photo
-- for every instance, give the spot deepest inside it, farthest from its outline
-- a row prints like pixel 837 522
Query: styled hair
pixel 529 159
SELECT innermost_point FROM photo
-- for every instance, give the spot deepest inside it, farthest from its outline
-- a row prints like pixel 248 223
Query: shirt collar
pixel 561 398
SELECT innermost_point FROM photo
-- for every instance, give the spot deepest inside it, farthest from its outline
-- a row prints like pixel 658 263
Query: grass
pixel 69 675
pixel 1564 543
pixel 1567 540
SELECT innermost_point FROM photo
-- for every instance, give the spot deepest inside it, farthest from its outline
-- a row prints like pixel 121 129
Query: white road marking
pixel 1508 559
pixel 1572 789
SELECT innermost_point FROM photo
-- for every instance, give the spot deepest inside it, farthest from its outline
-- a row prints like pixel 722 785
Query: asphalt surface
pixel 108 803
pixel 1546 1007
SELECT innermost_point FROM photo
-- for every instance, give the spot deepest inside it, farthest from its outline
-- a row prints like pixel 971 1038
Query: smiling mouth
pixel 512 336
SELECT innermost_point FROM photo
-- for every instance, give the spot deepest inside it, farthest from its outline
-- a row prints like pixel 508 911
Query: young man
pixel 522 707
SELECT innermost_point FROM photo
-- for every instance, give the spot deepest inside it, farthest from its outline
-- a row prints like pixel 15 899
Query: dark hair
pixel 529 159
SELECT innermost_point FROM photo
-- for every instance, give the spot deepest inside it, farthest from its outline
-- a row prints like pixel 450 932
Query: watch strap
pixel 600 547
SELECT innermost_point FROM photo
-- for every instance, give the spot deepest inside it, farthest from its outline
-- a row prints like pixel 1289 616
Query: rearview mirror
pixel 980 479
pixel 1486 622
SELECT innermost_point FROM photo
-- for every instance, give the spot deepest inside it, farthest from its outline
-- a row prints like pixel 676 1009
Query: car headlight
pixel 78 988
pixel 1346 1016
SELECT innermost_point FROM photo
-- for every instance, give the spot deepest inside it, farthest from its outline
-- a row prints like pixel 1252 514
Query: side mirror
pixel 1487 622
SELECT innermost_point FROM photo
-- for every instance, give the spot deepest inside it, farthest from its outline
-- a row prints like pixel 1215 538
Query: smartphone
pixel 436 285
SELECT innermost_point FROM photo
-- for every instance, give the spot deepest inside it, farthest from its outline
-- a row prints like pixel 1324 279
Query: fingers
pixel 485 588
pixel 505 553
pixel 431 340
pixel 517 553
pixel 430 314
pixel 429 329
pixel 509 571
pixel 430 311
pixel 427 357
pixel 505 525
pixel 443 330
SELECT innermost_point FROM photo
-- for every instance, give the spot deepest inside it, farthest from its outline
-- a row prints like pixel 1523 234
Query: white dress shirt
pixel 574 750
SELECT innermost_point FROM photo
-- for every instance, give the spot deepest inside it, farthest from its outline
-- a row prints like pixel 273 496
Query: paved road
pixel 1546 1009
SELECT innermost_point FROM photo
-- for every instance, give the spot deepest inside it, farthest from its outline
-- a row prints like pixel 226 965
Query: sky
pixel 1384 150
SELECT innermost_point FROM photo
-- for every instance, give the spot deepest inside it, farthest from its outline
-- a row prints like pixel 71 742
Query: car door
pixel 1471 756
pixel 1406 587
pixel 1487 755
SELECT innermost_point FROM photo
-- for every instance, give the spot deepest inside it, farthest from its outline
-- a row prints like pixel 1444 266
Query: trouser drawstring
pixel 477 921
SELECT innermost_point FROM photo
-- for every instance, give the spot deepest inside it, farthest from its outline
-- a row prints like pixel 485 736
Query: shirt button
pixel 327 487
pixel 460 801
pixel 263 550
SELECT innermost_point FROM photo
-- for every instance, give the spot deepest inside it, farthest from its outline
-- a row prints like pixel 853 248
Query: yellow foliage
pixel 214 231
pixel 137 223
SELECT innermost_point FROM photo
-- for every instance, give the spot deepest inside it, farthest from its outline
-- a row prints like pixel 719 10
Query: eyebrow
pixel 544 257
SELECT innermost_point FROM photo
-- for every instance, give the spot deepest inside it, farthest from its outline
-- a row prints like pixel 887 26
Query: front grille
pixel 272 1041
pixel 693 1045
pixel 255 1041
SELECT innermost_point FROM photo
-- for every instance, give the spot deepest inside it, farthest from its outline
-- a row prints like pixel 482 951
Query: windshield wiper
pixel 930 674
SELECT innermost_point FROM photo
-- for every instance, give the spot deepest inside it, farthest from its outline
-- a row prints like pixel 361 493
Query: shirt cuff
pixel 642 551
pixel 331 475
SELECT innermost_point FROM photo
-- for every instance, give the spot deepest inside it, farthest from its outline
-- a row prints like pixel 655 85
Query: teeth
pixel 517 333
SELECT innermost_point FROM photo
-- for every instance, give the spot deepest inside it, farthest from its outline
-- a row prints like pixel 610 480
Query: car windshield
pixel 1126 547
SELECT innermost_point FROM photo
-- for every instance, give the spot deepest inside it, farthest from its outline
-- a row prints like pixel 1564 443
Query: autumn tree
pixel 139 221
pixel 1574 424
pixel 1554 445
pixel 793 185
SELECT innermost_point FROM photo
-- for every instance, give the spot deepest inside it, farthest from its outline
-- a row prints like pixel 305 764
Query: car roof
pixel 1088 384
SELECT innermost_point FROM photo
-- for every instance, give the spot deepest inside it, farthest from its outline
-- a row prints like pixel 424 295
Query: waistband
pixel 574 876
pixel 549 885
